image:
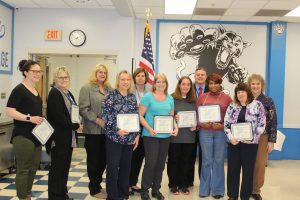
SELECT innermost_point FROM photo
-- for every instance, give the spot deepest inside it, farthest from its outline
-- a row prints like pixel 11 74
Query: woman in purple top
pixel 242 153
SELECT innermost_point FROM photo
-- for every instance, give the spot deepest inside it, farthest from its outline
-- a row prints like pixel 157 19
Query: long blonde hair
pixel 93 78
pixel 118 79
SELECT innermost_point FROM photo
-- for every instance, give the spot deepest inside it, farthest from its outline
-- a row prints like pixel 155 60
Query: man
pixel 200 88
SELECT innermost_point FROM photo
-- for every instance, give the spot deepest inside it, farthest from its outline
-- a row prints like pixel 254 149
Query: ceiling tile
pixel 249 4
pixel 209 11
pixel 51 3
pixel 240 12
pixel 290 19
pixel 271 13
pixel 154 9
pixel 205 17
pixel 105 2
pixel 214 3
pixel 178 17
pixel 282 5
pixel 148 3
pixel 262 19
pixel 234 18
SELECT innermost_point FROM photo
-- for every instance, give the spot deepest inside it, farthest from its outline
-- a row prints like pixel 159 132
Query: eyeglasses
pixel 36 71
pixel 63 78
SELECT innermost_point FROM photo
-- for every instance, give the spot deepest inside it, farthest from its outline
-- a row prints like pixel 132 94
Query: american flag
pixel 147 56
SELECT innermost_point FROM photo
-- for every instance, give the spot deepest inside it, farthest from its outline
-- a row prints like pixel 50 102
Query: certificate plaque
pixel 163 124
pixel 43 131
pixel 75 114
pixel 187 119
pixel 128 122
pixel 242 131
pixel 209 113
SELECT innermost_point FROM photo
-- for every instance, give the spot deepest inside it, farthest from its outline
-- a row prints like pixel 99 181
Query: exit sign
pixel 53 35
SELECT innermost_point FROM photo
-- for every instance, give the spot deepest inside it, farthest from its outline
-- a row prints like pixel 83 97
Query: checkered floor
pixel 77 183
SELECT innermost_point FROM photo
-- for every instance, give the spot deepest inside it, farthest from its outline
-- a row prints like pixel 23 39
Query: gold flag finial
pixel 148 14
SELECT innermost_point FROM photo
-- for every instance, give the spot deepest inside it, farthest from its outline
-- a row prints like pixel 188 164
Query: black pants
pixel 59 172
pixel 95 160
pixel 118 158
pixel 178 164
pixel 241 156
pixel 192 160
pixel 136 163
pixel 156 151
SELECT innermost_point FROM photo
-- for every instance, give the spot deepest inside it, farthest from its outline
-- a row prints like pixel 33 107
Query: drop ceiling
pixel 223 10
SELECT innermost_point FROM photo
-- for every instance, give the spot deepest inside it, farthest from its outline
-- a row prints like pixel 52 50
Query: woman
pixel 213 140
pixel 140 78
pixel 156 145
pixel 181 147
pixel 90 98
pixel 268 138
pixel 25 107
pixel 242 154
pixel 60 105
pixel 119 143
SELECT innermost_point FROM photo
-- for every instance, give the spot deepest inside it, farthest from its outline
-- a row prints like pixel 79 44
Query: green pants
pixel 28 158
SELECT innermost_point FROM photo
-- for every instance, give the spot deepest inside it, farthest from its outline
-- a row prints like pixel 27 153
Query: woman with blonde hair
pixel 59 108
pixel 119 143
pixel 90 100
pixel 156 145
pixel 268 138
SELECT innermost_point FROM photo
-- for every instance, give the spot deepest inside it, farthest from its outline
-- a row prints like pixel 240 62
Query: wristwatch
pixel 28 117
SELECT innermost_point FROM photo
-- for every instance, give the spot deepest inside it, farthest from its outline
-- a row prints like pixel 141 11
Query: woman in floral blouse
pixel 241 153
pixel 119 143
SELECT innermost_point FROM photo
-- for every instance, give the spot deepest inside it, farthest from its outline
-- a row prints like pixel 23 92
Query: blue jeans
pixel 212 179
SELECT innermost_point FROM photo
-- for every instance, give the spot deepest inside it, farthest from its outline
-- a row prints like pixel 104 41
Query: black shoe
pixel 145 195
pixel 136 189
pixel 217 196
pixel 131 192
pixel 256 196
pixel 185 191
pixel 174 190
pixel 158 195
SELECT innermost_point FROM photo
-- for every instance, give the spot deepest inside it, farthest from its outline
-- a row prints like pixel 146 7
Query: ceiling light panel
pixel 180 7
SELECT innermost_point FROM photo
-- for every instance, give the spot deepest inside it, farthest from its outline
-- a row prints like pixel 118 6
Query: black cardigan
pixel 59 118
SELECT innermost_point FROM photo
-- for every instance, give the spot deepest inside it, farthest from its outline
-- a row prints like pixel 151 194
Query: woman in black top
pixel 59 107
pixel 25 107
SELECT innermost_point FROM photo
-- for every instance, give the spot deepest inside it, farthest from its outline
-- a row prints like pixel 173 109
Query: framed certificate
pixel 75 114
pixel 128 122
pixel 209 113
pixel 43 131
pixel 163 124
pixel 187 119
pixel 242 131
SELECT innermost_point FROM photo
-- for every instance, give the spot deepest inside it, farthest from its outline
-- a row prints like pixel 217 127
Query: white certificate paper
pixel 279 142
pixel 75 114
pixel 187 119
pixel 209 113
pixel 163 124
pixel 242 131
pixel 43 131
pixel 128 122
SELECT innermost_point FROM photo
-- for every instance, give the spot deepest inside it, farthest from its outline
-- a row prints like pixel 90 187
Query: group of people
pixel 122 153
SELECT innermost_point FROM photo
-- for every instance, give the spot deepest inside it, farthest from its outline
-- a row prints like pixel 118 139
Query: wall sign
pixel 6 38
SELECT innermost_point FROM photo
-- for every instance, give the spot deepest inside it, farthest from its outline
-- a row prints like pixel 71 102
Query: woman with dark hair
pixel 140 78
pixel 90 106
pixel 242 154
pixel 25 107
pixel 119 143
pixel 182 146
pixel 59 109
pixel 213 141
pixel 268 138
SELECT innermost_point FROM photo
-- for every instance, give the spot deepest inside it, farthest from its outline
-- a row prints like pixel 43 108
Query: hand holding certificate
pixel 163 124
pixel 128 122
pixel 209 113
pixel 43 131
pixel 187 119
pixel 242 131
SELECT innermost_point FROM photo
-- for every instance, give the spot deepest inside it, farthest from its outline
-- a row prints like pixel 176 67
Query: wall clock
pixel 77 38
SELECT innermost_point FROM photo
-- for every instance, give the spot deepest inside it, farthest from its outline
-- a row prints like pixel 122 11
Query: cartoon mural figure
pixel 2 30
pixel 215 49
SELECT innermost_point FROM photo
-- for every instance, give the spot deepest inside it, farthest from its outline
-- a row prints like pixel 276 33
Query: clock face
pixel 77 38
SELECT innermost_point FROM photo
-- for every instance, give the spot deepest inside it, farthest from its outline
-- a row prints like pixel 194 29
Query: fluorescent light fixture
pixel 294 13
pixel 180 7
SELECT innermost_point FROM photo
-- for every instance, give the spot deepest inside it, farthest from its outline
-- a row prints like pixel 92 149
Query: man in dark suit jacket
pixel 200 88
